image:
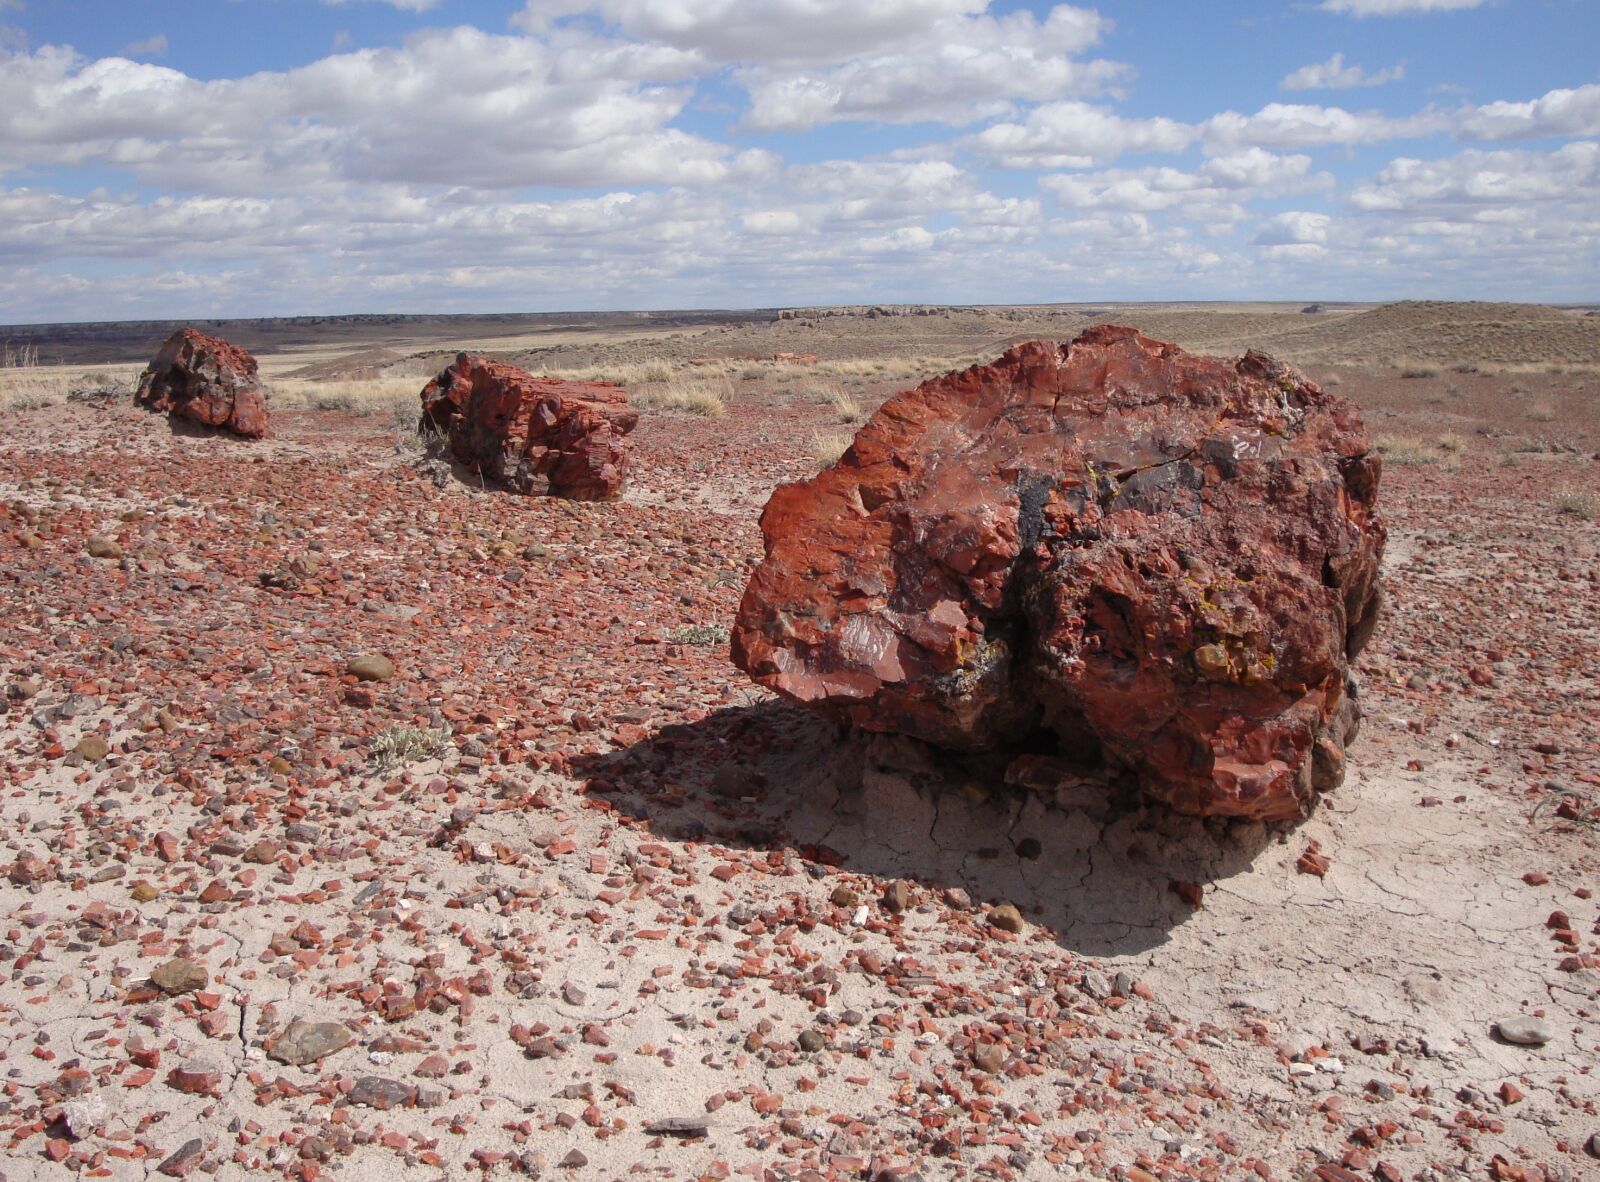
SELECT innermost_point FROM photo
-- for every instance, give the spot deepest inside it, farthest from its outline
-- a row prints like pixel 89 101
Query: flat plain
pixel 568 875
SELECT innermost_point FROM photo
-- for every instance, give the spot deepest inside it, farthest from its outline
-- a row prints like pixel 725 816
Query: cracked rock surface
pixel 205 380
pixel 1164 558
pixel 533 434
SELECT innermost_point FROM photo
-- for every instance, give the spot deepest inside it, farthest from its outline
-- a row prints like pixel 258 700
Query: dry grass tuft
pixel 699 395
pixel 828 446
pixel 1406 449
pixel 1577 503
pixel 1540 412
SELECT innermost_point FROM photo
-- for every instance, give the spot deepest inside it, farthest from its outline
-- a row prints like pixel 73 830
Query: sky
pixel 219 158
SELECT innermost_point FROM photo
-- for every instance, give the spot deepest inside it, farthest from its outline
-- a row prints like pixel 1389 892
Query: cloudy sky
pixel 189 158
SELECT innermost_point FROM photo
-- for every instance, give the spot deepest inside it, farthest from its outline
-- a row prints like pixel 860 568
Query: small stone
pixel 957 898
pixel 988 1057
pixel 678 1126
pixel 307 1042
pixel 897 897
pixel 1523 1031
pixel 93 748
pixel 102 547
pixel 22 689
pixel 575 1158
pixel 83 1116
pixel 843 896
pixel 179 975
pixel 572 995
pixel 374 1091
pixel 143 892
pixel 198 1077
pixel 1007 918
pixel 280 766
pixel 812 1041
pixel 371 667
pixel 183 1159
pixel 29 868
pixel 1096 985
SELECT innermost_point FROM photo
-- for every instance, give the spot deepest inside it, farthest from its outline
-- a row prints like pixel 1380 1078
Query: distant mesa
pixel 532 434
pixel 205 380
pixel 1160 561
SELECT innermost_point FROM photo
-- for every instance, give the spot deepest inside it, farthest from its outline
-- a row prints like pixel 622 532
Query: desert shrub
pixel 396 745
pixel 845 408
pixel 1576 503
pixel 1540 412
pixel 1419 371
pixel 706 635
pixel 1406 449
pixel 1450 442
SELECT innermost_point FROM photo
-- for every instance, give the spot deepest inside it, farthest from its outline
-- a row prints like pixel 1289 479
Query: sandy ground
pixel 629 887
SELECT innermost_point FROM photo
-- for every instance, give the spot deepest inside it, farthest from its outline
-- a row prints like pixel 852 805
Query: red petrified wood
pixel 526 432
pixel 207 381
pixel 1168 557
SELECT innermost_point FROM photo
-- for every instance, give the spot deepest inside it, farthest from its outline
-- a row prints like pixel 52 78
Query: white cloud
pixel 1470 181
pixel 1295 228
pixel 810 62
pixel 1301 125
pixel 1333 74
pixel 154 46
pixel 572 110
pixel 769 31
pixel 1555 113
pixel 1076 135
pixel 403 5
pixel 1395 7
pixel 1212 194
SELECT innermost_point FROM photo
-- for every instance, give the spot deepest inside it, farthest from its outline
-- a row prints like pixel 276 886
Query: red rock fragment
pixel 529 433
pixel 29 868
pixel 207 381
pixel 196 1077
pixel 1166 558
pixel 1313 861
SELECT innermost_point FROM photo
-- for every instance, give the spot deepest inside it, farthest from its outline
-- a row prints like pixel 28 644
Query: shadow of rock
pixel 1082 853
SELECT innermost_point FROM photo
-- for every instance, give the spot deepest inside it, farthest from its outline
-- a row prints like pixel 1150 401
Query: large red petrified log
pixel 207 381
pixel 1167 558
pixel 532 434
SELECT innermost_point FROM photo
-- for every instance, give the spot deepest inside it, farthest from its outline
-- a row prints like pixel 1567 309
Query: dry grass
pixel 1450 442
pixel 705 395
pixel 828 446
pixel 1406 449
pixel 363 397
pixel 30 387
pixel 1540 412
pixel 619 373
pixel 1577 503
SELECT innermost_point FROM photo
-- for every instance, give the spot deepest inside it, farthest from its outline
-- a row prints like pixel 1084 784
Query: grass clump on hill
pixel 1577 503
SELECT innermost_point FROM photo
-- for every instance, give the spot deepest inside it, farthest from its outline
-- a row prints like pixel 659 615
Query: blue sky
pixel 186 158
